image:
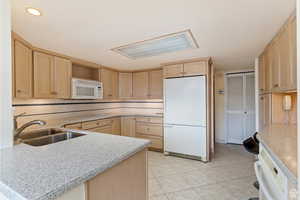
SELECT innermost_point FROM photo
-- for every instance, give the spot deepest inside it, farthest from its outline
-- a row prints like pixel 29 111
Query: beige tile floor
pixel 229 176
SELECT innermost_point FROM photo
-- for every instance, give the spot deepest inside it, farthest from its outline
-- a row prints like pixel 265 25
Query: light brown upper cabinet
pixel 140 84
pixel 275 65
pixel 261 73
pixel 156 84
pixel 173 71
pixel 125 85
pixel 109 79
pixel 280 60
pixel 23 70
pixel 292 27
pixel 285 61
pixel 186 69
pixel 52 76
pixel 195 68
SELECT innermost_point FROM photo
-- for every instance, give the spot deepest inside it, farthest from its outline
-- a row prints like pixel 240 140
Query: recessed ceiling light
pixel 160 45
pixel 34 11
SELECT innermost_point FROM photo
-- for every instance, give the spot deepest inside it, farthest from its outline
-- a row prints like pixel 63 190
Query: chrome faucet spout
pixel 19 131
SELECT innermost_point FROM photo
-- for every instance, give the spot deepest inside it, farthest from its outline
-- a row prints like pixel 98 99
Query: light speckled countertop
pixel 46 172
pixel 281 142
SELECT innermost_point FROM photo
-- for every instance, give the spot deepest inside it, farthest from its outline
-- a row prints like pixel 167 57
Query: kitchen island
pixel 94 166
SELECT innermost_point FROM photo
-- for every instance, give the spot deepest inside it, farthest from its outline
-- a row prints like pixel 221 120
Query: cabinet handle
pixel 19 91
pixel 276 85
pixel 110 95
pixel 54 93
pixel 261 98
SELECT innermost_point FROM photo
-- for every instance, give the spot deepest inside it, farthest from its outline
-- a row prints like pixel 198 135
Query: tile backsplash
pixel 56 112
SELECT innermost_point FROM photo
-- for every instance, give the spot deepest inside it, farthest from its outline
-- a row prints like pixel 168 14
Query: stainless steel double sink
pixel 47 136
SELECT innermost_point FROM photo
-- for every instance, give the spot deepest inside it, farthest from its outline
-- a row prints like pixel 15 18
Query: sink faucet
pixel 18 131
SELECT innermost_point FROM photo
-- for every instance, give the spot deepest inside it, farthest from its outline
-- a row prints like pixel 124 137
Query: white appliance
pixel 273 183
pixel 86 89
pixel 185 116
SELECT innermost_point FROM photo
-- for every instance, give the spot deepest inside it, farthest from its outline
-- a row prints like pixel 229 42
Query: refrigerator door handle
pixel 168 126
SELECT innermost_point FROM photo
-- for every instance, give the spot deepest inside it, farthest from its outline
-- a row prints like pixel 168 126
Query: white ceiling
pixel 233 32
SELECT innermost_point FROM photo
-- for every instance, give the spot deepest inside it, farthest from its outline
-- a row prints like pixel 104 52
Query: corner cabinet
pixel 23 70
pixel 156 84
pixel 110 79
pixel 140 85
pixel 52 76
pixel 125 84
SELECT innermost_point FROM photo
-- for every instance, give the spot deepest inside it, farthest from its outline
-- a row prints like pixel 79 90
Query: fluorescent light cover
pixel 165 44
pixel 34 11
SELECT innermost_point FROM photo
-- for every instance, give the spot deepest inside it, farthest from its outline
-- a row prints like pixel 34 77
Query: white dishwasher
pixel 272 181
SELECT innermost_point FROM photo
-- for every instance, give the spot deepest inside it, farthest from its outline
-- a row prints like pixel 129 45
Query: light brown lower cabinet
pixel 125 181
pixel 128 126
pixel 111 126
pixel 151 128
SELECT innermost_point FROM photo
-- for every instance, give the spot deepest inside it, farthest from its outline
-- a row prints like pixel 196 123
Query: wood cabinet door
pixel 195 68
pixel 267 70
pixel 110 80
pixel 140 84
pixel 171 71
pixel 261 74
pixel 128 126
pixel 125 85
pixel 293 52
pixel 116 126
pixel 115 84
pixel 284 58
pixel 62 78
pixel 23 70
pixel 156 84
pixel 275 65
pixel 43 75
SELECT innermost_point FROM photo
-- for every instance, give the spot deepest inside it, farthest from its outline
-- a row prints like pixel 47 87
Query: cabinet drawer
pixel 97 123
pixel 149 129
pixel 156 120
pixel 74 126
pixel 104 129
pixel 156 142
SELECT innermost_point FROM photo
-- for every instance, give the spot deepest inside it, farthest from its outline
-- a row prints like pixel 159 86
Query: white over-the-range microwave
pixel 86 89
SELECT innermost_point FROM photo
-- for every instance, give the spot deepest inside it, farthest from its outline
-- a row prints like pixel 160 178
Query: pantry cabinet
pixel 156 84
pixel 110 79
pixel 23 70
pixel 52 76
pixel 125 85
pixel 140 85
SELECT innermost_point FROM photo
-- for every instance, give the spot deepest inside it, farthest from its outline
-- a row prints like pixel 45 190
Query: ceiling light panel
pixel 34 11
pixel 160 45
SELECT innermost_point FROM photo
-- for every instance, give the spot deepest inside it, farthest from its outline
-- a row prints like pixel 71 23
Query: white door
pixel 240 106
pixel 187 140
pixel 185 101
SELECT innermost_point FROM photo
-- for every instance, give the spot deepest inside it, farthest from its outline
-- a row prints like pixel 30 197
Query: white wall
pixel 5 75
pixel 220 133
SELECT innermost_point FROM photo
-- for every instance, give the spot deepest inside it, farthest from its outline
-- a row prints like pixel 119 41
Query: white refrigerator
pixel 185 116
